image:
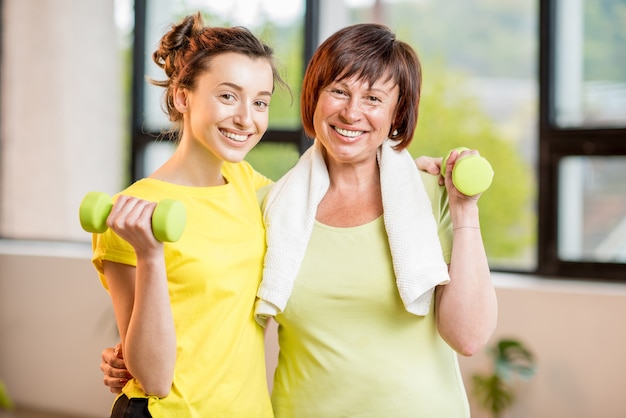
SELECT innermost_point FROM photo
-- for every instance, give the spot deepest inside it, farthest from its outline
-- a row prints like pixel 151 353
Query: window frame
pixel 554 142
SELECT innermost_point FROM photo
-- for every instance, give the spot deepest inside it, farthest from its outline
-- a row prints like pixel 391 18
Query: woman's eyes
pixel 261 104
pixel 338 92
pixel 367 99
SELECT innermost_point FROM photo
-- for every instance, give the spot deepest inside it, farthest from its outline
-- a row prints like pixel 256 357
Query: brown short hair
pixel 368 51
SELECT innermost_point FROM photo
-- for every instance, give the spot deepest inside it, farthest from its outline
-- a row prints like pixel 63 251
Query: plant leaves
pixel 492 393
pixel 511 357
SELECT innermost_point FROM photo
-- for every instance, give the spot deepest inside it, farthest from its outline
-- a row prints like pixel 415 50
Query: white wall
pixel 61 127
pixel 55 318
pixel 61 135
pixel 577 332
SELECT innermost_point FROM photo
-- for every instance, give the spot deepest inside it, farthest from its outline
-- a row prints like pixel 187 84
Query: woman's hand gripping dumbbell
pixel 471 174
pixel 168 219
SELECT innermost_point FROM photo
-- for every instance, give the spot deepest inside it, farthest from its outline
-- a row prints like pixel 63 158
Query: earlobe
pixel 180 100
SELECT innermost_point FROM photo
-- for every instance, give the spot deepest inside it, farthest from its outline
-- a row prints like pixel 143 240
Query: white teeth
pixel 235 137
pixel 350 134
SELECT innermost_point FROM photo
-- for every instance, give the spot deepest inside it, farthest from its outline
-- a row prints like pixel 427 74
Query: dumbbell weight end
pixel 94 211
pixel 168 220
pixel 471 174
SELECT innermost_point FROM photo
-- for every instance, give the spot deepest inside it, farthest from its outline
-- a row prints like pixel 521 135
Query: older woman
pixel 376 274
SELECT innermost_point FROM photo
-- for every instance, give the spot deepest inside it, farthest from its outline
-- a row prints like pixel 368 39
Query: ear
pixel 180 100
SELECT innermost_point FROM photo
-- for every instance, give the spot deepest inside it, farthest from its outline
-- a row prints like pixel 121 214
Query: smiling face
pixel 352 118
pixel 227 112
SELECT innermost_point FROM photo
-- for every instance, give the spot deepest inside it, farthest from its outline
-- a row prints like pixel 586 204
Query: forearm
pixel 150 343
pixel 467 307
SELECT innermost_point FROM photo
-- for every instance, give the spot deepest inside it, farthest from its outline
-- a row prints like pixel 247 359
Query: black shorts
pixel 130 408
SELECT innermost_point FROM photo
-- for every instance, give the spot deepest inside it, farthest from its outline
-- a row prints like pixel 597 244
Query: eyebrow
pixel 239 88
pixel 370 89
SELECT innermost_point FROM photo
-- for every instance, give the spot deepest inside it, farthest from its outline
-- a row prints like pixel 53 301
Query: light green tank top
pixel 349 348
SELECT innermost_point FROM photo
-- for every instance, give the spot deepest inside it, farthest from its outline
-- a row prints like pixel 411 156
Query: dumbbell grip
pixel 168 219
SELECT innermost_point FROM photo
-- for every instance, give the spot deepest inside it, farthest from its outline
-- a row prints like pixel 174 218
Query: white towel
pixel 290 211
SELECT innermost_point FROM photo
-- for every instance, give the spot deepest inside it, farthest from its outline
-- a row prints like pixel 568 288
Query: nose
pixel 243 116
pixel 351 111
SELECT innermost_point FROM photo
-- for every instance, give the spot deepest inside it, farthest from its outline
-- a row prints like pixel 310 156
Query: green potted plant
pixel 494 392
pixel 5 400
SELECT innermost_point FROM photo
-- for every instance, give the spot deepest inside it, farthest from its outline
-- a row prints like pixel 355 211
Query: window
pixel 539 88
pixel 583 139
pixel 591 222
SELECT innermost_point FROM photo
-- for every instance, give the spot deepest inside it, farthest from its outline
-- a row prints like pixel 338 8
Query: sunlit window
pixel 479 90
pixel 538 87
pixel 585 138
pixel 592 210
pixel 590 77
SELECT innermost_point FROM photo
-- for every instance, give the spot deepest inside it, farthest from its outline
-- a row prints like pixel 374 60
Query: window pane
pixel 592 209
pixel 273 159
pixel 279 24
pixel 479 90
pixel 590 79
pixel 156 154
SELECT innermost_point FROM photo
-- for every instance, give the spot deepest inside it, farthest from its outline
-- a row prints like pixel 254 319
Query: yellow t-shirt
pixel 348 348
pixel 213 273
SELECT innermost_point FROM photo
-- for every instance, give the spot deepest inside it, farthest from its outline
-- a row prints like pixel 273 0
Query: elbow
pixel 154 373
pixel 155 382
pixel 468 349
pixel 156 388
pixel 470 344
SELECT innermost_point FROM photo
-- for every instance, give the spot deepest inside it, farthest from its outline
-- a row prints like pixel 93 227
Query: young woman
pixel 184 309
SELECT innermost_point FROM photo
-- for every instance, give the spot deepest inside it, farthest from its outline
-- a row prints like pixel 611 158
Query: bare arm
pixel 466 308
pixel 141 299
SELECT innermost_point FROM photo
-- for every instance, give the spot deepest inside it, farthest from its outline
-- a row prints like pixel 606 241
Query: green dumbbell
pixel 471 175
pixel 168 219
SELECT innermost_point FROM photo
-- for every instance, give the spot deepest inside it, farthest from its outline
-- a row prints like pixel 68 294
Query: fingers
pixel 129 212
pixel 131 219
pixel 115 385
pixel 454 155
pixel 118 350
pixel 453 158
pixel 429 164
pixel 116 369
pixel 112 355
pixel 113 367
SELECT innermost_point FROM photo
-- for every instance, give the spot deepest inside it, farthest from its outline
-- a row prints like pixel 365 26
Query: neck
pixel 354 177
pixel 188 167
pixel 353 197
